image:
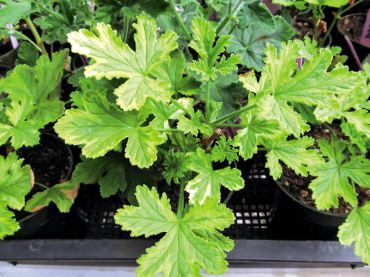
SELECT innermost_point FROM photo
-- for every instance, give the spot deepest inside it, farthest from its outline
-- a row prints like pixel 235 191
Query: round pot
pixel 308 213
pixel 32 224
pixel 351 26
pixel 52 153
pixel 8 55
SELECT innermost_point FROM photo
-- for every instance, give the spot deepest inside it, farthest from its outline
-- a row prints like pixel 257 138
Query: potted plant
pixel 158 122
pixel 155 97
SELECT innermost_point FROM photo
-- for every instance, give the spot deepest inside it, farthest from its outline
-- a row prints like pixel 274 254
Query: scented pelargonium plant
pixel 172 99
pixel 163 112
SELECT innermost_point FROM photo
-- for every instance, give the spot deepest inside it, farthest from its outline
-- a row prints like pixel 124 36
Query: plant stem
pixel 232 12
pixel 36 35
pixel 41 186
pixel 169 130
pixel 180 106
pixel 180 207
pixel 228 197
pixel 332 24
pixel 337 16
pixel 179 20
pixel 208 100
pixel 233 114
pixel 21 35
pixel 353 51
pixel 230 125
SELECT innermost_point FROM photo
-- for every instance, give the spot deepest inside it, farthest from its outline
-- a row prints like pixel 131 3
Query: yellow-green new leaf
pixel 190 243
pixel 210 64
pixel 115 59
pixel 247 138
pixel 282 83
pixel 294 153
pixel 333 176
pixel 62 195
pixel 356 229
pixel 8 224
pixel 102 126
pixel 34 102
pixel 207 183
pixel 15 181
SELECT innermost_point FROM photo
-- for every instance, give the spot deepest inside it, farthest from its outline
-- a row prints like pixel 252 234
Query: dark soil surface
pixel 51 160
pixel 352 26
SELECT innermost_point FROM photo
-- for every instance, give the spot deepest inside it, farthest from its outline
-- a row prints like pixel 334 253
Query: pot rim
pixel 348 16
pixel 327 213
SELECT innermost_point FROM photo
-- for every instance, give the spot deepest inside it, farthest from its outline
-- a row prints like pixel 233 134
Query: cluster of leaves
pixel 303 4
pixel 158 96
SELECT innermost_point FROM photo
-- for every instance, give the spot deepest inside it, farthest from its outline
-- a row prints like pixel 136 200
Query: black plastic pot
pixel 310 214
pixel 8 55
pixel 32 224
pixel 351 43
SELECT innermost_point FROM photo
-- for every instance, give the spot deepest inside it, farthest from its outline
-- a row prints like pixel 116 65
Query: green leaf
pixel 360 120
pixel 34 99
pixel 8 225
pixel 154 216
pixel 333 176
pixel 355 137
pixel 207 183
pixel 293 153
pixel 256 13
pixel 27 54
pixel 117 60
pixel 173 72
pixel 175 166
pixel 193 125
pixel 63 17
pixel 301 4
pixel 62 195
pixel 250 41
pixel 13 11
pixel 108 171
pixel 15 181
pixel 210 64
pixel 356 229
pixel 217 5
pixel 102 126
pixel 227 90
pixel 282 83
pixel 247 138
pixel 224 150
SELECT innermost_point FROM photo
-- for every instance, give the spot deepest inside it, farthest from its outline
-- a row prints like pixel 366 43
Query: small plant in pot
pixel 30 102
pixel 161 96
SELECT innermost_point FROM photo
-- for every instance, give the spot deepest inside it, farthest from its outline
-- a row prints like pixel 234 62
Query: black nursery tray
pixel 266 232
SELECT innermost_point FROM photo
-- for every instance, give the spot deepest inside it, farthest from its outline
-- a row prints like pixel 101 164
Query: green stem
pixel 169 130
pixel 21 35
pixel 228 197
pixel 337 16
pixel 36 35
pixel 180 106
pixel 181 204
pixel 231 125
pixel 41 186
pixel 231 115
pixel 177 142
pixel 226 20
pixel 179 20
pixel 351 7
pixel 208 100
